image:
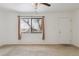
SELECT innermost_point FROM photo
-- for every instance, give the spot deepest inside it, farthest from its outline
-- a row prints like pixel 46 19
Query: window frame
pixel 43 29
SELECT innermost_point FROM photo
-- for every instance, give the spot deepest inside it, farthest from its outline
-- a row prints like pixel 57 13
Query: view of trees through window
pixel 31 25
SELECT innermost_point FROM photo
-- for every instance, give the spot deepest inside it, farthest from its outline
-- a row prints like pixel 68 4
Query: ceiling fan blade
pixel 47 4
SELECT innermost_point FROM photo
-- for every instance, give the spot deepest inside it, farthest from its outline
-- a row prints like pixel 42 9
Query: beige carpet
pixel 39 50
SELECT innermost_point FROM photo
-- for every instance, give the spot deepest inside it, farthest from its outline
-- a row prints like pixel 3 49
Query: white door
pixel 64 31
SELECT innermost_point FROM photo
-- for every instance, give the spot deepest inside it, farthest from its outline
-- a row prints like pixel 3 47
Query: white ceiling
pixel 29 7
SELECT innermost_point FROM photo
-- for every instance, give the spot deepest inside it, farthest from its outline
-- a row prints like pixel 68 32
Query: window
pixel 30 24
pixel 36 25
pixel 25 25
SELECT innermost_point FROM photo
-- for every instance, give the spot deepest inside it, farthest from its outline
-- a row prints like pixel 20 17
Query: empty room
pixel 39 29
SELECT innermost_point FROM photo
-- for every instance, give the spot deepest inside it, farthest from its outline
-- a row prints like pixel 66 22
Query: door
pixel 64 31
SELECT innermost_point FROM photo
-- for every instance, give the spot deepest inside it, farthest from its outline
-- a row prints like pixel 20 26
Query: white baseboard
pixel 77 45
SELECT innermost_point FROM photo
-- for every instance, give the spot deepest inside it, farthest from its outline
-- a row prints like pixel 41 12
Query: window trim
pixel 43 28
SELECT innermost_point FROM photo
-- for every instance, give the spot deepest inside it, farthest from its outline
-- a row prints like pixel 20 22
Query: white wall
pixel 3 27
pixel 54 24
pixel 75 28
pixel 7 28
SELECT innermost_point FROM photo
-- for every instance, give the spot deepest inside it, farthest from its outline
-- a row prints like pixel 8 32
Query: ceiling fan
pixel 36 5
pixel 46 4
